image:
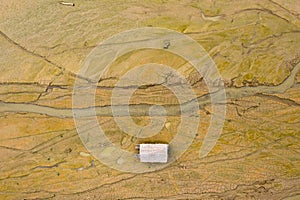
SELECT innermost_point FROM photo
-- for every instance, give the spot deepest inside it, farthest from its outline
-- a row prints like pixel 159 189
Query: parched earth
pixel 255 45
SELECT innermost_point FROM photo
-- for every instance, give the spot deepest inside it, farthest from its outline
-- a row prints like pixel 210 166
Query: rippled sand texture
pixel 255 45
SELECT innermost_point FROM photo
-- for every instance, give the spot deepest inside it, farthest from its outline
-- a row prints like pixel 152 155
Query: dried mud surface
pixel 255 45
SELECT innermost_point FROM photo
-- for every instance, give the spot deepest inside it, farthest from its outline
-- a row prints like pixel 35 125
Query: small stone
pixel 120 161
pixel 124 141
pixel 83 154
pixel 166 45
pixel 167 125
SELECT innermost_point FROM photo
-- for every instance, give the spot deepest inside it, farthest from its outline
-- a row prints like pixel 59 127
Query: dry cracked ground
pixel 255 45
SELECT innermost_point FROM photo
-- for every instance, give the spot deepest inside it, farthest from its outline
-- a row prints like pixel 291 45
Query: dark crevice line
pixel 62 70
pixel 262 10
pixel 103 185
pixel 11 148
pixel 48 166
pixel 286 101
pixel 35 135
pixel 287 10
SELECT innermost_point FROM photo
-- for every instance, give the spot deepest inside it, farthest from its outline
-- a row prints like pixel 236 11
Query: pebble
pixel 83 154
pixel 167 125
